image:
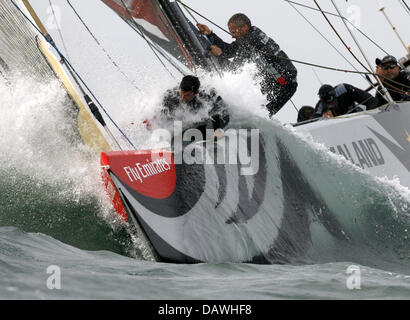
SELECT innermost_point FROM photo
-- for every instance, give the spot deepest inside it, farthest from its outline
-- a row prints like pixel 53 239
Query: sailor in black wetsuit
pixel 188 98
pixel 339 100
pixel 251 44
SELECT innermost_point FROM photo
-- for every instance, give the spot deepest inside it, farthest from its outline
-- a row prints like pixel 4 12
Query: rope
pixel 392 87
pixel 342 17
pixel 209 42
pixel 340 38
pixel 204 17
pixel 327 40
pixel 357 106
pixel 74 70
pixel 103 49
pixel 141 33
pixel 405 6
pixel 59 29
pixel 189 12
pixel 159 50
pixel 290 2
pixel 297 110
pixel 349 49
pixel 368 72
pixel 365 74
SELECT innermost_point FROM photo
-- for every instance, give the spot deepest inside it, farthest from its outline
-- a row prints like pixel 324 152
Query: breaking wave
pixel 50 182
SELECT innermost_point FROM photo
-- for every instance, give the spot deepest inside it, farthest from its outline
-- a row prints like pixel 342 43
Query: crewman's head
pixel 327 95
pixel 189 88
pixel 387 67
pixel 306 113
pixel 239 25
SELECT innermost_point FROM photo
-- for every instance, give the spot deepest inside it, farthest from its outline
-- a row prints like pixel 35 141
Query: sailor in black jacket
pixel 252 45
pixel 188 98
pixel 339 100
pixel 396 81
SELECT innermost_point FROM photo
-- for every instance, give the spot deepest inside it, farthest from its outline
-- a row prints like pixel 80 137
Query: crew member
pixel 396 81
pixel 251 44
pixel 188 98
pixel 339 100
pixel 306 113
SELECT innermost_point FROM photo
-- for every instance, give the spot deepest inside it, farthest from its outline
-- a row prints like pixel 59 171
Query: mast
pixel 37 20
pixel 59 72
pixel 385 91
pixel 382 10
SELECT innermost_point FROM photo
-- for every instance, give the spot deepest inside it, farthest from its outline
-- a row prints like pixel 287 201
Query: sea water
pixel 61 239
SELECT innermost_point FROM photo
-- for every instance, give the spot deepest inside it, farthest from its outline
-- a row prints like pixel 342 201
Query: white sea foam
pixel 40 144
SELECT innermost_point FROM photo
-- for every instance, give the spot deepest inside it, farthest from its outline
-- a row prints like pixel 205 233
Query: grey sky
pixel 276 17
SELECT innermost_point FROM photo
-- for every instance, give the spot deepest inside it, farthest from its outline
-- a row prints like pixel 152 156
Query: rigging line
pixel 146 40
pixel 302 62
pixel 193 17
pixel 59 29
pixel 312 8
pixel 156 50
pixel 100 45
pixel 317 77
pixel 209 42
pixel 165 19
pixel 190 13
pixel 204 17
pixel 320 10
pixel 165 55
pixel 406 6
pixel 339 70
pixel 385 93
pixel 356 106
pixel 335 69
pixel 368 71
pixel 342 17
pixel 74 70
pixel 307 63
pixel 297 110
pixel 340 38
pixel 325 67
pixel 366 77
pixel 321 34
pixel 392 81
pixel 156 47
pixel 392 88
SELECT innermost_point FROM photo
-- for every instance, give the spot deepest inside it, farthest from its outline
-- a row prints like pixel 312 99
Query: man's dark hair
pixel 240 19
pixel 190 83
pixel 327 93
pixel 306 113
